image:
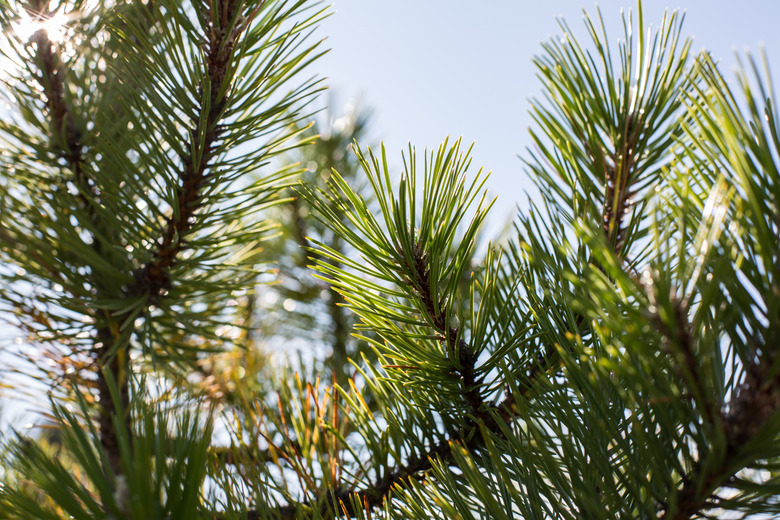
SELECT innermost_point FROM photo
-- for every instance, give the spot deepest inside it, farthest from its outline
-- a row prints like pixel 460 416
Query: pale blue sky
pixel 432 68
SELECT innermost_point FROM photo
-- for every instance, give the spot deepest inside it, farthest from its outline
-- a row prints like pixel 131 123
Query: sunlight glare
pixel 55 27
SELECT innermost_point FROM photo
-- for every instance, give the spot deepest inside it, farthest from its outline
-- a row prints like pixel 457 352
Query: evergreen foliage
pixel 298 308
pixel 615 358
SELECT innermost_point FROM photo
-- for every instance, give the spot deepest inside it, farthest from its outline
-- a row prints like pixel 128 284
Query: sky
pixel 434 68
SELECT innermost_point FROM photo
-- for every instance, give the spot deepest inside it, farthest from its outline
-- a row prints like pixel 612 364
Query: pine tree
pixel 616 358
pixel 298 307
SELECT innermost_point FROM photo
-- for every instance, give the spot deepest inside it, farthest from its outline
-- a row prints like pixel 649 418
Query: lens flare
pixel 54 25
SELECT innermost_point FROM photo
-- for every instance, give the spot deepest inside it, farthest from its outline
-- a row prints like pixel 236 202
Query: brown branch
pixel 486 414
pixel 414 468
pixel 154 278
pixel 67 139
pixel 417 466
pixel 64 133
pixel 617 176
pixel 483 413
pixel 456 347
pixel 374 495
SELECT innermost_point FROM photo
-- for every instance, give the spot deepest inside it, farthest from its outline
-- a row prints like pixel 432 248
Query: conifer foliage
pixel 615 358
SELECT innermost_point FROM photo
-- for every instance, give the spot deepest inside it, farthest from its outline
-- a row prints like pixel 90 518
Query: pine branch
pixel 10 239
pixel 689 364
pixel 68 140
pixel 755 403
pixel 480 413
pixel 619 171
pixel 154 278
pixel 414 468
pixel 458 350
pixel 65 135
pixel 414 276
pixel 463 360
